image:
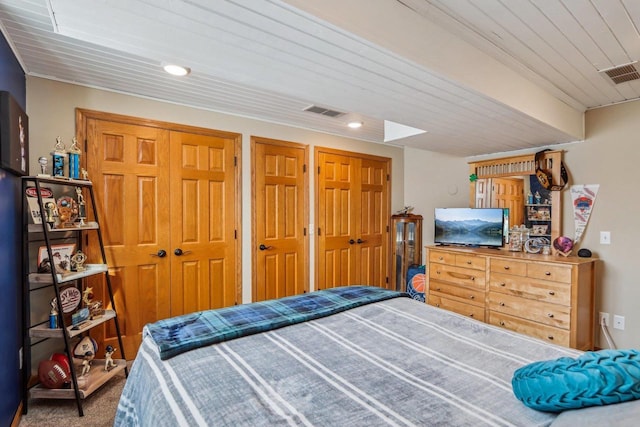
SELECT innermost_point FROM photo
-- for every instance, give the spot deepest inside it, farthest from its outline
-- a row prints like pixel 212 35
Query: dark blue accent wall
pixel 12 79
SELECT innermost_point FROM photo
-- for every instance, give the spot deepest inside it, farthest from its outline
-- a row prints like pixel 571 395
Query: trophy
pixel 82 207
pixel 50 213
pixel 53 315
pixel 74 159
pixel 58 154
pixel 77 261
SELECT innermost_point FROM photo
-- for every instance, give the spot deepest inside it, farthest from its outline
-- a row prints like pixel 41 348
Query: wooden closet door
pixel 203 222
pixel 373 222
pixel 352 215
pixel 161 187
pixel 129 167
pixel 280 215
pixel 336 220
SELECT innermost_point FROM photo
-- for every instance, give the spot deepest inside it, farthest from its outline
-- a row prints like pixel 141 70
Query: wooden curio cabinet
pixel 406 247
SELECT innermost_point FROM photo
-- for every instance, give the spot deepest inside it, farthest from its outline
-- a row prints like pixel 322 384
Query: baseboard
pixel 17 416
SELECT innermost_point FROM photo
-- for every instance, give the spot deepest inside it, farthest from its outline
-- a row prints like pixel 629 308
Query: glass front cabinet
pixel 406 247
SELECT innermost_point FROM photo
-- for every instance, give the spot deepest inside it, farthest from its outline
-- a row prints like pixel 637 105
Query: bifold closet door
pixel 352 212
pixel 168 201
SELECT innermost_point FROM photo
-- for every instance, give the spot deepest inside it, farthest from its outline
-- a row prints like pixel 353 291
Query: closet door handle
pixel 160 254
pixel 180 252
pixel 264 247
pixel 360 241
pixel 351 241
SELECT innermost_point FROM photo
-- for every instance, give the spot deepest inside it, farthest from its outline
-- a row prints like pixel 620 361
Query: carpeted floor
pixel 99 408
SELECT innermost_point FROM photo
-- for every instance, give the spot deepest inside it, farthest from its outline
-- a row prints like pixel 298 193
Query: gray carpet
pixel 99 408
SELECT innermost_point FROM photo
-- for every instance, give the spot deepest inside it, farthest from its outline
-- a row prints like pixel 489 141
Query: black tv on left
pixel 482 227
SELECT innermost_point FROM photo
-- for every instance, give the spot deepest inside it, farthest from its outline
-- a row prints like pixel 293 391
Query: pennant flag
pixel 583 196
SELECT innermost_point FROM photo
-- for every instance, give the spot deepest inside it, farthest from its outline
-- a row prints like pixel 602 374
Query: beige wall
pixel 51 109
pixel 607 157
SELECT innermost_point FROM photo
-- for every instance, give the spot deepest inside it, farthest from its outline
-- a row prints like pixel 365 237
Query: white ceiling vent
pixel 324 111
pixel 623 73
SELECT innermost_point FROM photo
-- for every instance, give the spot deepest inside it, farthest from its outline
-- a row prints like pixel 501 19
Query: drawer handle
pixel 440 258
pixel 550 337
pixel 550 315
pixel 473 278
pixel 437 305
pixel 471 315
pixel 551 293
pixel 469 262
pixel 502 323
pixel 503 284
pixel 547 273
pixel 437 272
pixel 438 289
pixel 506 267
pixel 501 304
pixel 472 297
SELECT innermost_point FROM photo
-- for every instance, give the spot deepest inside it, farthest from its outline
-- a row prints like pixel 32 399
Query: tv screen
pixel 469 226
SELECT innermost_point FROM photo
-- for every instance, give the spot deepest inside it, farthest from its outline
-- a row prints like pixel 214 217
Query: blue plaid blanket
pixel 187 332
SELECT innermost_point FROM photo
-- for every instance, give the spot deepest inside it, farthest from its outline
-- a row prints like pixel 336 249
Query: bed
pixel 381 359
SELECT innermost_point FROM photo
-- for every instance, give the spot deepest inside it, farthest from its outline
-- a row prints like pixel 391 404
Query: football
pixel 63 360
pixel 84 345
pixel 52 374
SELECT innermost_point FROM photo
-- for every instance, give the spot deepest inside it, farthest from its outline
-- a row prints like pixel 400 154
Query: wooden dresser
pixel 545 296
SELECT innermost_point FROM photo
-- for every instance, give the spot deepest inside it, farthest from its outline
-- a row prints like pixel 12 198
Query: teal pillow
pixel 594 378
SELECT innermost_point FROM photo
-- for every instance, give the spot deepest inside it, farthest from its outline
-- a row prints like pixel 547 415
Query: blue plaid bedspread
pixel 183 333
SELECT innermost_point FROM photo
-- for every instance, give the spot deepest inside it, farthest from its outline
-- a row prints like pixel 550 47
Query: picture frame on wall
pixel 14 136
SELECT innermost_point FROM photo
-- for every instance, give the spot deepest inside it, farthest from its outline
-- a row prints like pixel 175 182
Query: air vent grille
pixel 623 73
pixel 324 111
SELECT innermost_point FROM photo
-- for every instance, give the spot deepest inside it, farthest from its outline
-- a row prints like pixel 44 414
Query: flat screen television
pixel 469 226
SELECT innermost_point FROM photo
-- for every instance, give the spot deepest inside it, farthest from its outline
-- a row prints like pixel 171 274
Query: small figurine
pixel 85 174
pixel 86 363
pixel 108 358
pixel 538 198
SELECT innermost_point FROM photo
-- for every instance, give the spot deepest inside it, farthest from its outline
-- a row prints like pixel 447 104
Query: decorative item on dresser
pixel 548 297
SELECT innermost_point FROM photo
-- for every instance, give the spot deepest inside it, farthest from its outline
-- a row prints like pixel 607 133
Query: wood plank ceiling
pixel 271 59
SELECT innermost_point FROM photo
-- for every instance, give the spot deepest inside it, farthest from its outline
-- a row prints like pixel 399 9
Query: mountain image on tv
pixel 477 227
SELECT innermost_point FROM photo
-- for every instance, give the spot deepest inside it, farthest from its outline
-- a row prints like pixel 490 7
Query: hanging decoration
pixel 583 197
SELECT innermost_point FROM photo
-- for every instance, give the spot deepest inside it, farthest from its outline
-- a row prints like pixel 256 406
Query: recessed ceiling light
pixel 354 125
pixel 176 70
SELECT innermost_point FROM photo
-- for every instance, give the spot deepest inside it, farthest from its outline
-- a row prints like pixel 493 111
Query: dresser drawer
pixel 467 295
pixel 457 307
pixel 527 327
pixel 457 275
pixel 471 261
pixel 442 257
pixel 537 311
pixel 557 273
pixel 540 290
pixel 500 265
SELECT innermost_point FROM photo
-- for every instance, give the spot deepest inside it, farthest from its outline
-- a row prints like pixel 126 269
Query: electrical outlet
pixel 604 316
pixel 618 322
pixel 605 237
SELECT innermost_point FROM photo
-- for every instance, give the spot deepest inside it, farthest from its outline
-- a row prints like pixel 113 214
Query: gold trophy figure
pixel 82 207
